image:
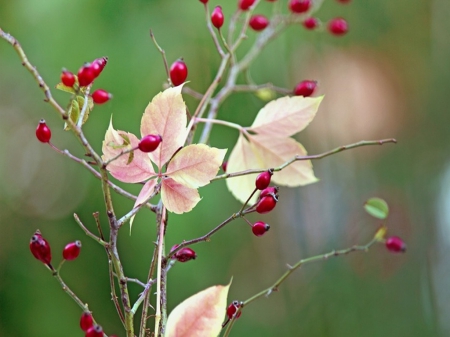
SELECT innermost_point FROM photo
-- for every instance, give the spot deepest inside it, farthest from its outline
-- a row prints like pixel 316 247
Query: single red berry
pixel 86 321
pixel 338 26
pixel 86 75
pixel 149 143
pixel 269 190
pixel 232 308
pixel 299 6
pixel 101 96
pixel 72 250
pixel 178 72
pixel 266 204
pixel 305 88
pixel 67 78
pixel 43 132
pixel 311 23
pixel 259 228
pixel 94 331
pixel 395 244
pixel 258 22
pixel 224 166
pixel 40 249
pixel 185 254
pixel 263 180
pixel 245 4
pixel 204 1
pixel 217 17
pixel 98 65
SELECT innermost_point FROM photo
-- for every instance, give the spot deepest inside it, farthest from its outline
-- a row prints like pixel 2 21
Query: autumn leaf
pixel 200 315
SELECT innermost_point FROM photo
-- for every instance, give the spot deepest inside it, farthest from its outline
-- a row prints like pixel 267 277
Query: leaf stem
pixel 221 122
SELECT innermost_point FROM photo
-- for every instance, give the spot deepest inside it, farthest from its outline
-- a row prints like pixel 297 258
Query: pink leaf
pixel 139 169
pixel 144 194
pixel 195 165
pixel 200 315
pixel 165 116
pixel 178 198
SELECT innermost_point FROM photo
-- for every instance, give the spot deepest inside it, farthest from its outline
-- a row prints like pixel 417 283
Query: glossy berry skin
pixel 67 78
pixel 266 204
pixel 311 23
pixel 395 244
pixel 40 249
pixel 72 250
pixel 86 321
pixel 204 1
pixel 43 132
pixel 244 5
pixel 178 72
pixel 94 331
pixel 86 75
pixel 263 180
pixel 299 6
pixel 258 22
pixel 98 65
pixel 149 143
pixel 232 308
pixel 217 17
pixel 185 254
pixel 338 26
pixel 269 190
pixel 224 166
pixel 101 96
pixel 259 228
pixel 305 88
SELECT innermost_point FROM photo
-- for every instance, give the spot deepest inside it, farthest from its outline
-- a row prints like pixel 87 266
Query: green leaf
pixel 126 139
pixel 74 113
pixel 130 158
pixel 62 87
pixel 377 208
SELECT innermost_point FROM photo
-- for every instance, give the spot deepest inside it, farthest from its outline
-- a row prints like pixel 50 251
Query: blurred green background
pixel 389 77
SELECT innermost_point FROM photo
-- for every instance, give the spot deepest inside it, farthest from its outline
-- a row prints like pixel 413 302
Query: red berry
pixel 43 132
pixel 98 65
pixel 185 254
pixel 232 308
pixel 259 228
pixel 311 23
pixel 86 75
pixel 72 250
pixel 224 166
pixel 67 78
pixel 395 244
pixel 299 6
pixel 94 331
pixel 269 190
pixel 245 4
pixel 305 88
pixel 41 249
pixel 101 96
pixel 178 72
pixel 338 26
pixel 258 22
pixel 204 1
pixel 263 180
pixel 266 204
pixel 217 17
pixel 149 143
pixel 86 321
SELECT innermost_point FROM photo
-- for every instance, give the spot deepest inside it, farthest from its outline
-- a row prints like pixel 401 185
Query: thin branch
pixel 159 304
pixel 85 106
pixel 89 233
pixel 163 54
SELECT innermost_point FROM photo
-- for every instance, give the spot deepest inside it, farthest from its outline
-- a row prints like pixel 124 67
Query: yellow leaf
pixel 178 198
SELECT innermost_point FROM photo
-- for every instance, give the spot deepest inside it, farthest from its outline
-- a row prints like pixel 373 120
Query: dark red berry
pixel 299 6
pixel 98 65
pixel 224 166
pixel 269 190
pixel 395 244
pixel 311 23
pixel 217 17
pixel 86 75
pixel 72 250
pixel 149 143
pixel 338 26
pixel 178 72
pixel 43 132
pixel 263 180
pixel 232 308
pixel 245 4
pixel 204 1
pixel 94 331
pixel 185 254
pixel 258 22
pixel 86 321
pixel 259 228
pixel 67 78
pixel 101 96
pixel 41 249
pixel 266 204
pixel 305 88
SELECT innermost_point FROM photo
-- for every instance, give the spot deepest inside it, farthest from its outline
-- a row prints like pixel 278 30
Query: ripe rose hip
pixel 269 190
pixel 98 65
pixel 311 23
pixel 40 249
pixel 43 132
pixel 204 1
pixel 305 88
pixel 266 204
pixel 299 6
pixel 86 321
pixel 224 166
pixel 149 143
pixel 263 180
pixel 258 22
pixel 72 250
pixel 185 254
pixel 338 26
pixel 395 244
pixel 217 17
pixel 86 75
pixel 178 72
pixel 232 308
pixel 245 4
pixel 101 96
pixel 94 331
pixel 67 78
pixel 259 228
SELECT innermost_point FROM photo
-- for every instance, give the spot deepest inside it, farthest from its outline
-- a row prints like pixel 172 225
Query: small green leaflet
pixel 377 208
